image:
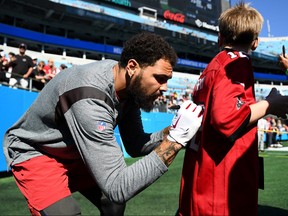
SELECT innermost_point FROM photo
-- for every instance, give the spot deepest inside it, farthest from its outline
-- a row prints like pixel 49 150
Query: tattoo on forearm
pixel 167 151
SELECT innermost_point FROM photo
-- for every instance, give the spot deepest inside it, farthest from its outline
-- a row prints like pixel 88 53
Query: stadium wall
pixel 15 102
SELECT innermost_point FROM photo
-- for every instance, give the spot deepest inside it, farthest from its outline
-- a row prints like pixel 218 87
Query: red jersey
pixel 220 171
pixel 50 70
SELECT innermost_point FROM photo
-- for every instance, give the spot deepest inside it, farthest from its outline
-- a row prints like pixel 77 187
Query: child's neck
pixel 238 48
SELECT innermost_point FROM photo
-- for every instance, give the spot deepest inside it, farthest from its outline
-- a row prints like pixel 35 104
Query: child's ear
pixel 255 44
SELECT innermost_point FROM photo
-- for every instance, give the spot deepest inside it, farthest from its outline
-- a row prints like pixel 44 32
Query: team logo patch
pixel 239 103
pixel 101 125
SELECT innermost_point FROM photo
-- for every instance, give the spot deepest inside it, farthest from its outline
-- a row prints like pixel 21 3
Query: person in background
pixel 3 68
pixel 22 66
pixel 65 141
pixel 269 133
pixel 35 61
pixel 171 102
pixel 261 131
pixel 285 126
pixel 283 61
pixel 221 166
pixel 62 67
pixel 50 69
pixel 11 56
pixel 274 131
pixel 281 129
pixel 38 76
pixel 160 104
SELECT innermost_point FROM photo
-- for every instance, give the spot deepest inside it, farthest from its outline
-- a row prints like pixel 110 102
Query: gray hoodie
pixel 74 116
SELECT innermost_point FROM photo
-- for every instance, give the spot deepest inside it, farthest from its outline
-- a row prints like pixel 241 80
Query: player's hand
pixel 278 104
pixel 185 123
pixel 283 61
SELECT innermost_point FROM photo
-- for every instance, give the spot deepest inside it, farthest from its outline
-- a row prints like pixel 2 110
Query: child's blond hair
pixel 240 25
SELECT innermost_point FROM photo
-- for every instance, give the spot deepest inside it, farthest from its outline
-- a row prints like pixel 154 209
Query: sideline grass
pixel 161 198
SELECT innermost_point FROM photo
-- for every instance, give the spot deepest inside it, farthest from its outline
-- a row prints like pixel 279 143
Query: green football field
pixel 161 198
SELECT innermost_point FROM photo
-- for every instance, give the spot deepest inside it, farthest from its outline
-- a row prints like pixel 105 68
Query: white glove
pixel 185 123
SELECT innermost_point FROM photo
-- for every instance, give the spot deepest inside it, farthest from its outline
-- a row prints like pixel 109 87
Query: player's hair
pixel 147 48
pixel 240 25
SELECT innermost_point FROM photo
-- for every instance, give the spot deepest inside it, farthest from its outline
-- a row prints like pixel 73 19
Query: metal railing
pixel 18 85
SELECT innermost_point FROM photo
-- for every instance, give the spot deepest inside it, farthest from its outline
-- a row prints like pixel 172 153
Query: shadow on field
pixel 271 211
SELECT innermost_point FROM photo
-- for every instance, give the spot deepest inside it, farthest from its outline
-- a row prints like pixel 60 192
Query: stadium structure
pixel 97 29
pixel 80 31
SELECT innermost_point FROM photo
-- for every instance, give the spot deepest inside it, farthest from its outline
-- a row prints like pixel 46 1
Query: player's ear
pixel 255 44
pixel 131 67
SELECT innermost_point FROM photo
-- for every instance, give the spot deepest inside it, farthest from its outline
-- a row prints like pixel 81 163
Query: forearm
pixel 258 110
pixel 167 151
pixel 28 73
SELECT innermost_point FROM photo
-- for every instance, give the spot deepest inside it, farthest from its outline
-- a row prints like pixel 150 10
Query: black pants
pixel 69 206
pixel 3 77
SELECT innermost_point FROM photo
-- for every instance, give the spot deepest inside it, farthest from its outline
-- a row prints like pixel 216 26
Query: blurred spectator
pixel 262 127
pixel 268 133
pixel 175 94
pixel 274 131
pixel 283 61
pixel 285 127
pixel 281 129
pixel 38 76
pixel 22 67
pixel 11 57
pixel 171 102
pixel 161 104
pixel 50 69
pixel 62 67
pixel 34 60
pixel 180 101
pixel 3 67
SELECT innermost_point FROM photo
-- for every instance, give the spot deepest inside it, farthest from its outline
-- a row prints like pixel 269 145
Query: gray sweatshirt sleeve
pixel 136 141
pixel 91 124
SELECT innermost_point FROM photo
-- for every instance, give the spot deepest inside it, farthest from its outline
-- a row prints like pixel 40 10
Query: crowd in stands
pixel 29 72
pixel 170 99
pixel 21 70
pixel 271 132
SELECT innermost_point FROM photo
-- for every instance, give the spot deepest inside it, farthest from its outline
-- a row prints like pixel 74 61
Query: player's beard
pixel 138 93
